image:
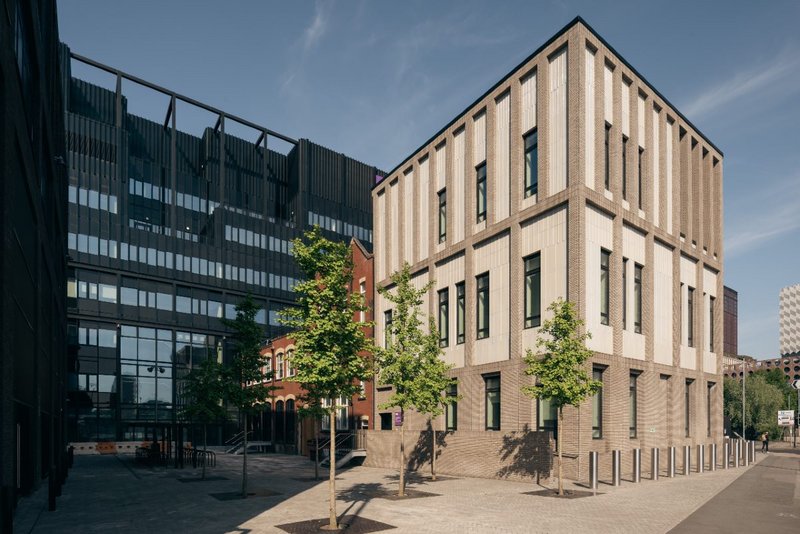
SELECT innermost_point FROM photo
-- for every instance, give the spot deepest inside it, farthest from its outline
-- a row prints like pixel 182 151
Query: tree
pixel 764 399
pixel 411 360
pixel 328 338
pixel 203 393
pixel 244 376
pixel 561 375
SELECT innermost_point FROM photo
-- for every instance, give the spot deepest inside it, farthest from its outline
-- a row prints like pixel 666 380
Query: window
pixel 533 290
pixel 624 167
pixel 632 403
pixel 624 293
pixel 687 401
pixel 709 396
pixel 483 305
pixel 547 416
pixel 637 298
pixel 289 367
pixel 641 193
pixel 279 367
pixel 711 324
pixel 362 289
pixel 531 164
pixel 442 215
pixel 597 406
pixel 608 157
pixel 605 260
pixel 690 317
pixel 451 415
pixel 481 191
pixel 444 317
pixel 492 386
pixel 387 328
pixel 461 311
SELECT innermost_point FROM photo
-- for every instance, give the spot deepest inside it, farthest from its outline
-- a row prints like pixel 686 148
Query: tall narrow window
pixel 451 416
pixel 690 317
pixel 533 291
pixel 547 416
pixel 492 386
pixel 461 312
pixel 442 215
pixel 711 324
pixel 362 289
pixel 624 167
pixel 709 396
pixel 687 403
pixel 624 293
pixel 637 298
pixel 641 193
pixel 531 163
pixel 387 328
pixel 632 403
pixel 597 406
pixel 444 317
pixel 607 157
pixel 482 305
pixel 480 181
pixel 605 260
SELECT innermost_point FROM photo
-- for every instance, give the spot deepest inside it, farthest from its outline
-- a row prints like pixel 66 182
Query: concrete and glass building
pixel 789 319
pixel 33 226
pixel 572 177
pixel 168 230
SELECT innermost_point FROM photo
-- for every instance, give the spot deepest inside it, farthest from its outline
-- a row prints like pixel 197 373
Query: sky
pixel 375 79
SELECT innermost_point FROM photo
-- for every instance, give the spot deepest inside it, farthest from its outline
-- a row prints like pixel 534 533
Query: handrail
pixel 238 438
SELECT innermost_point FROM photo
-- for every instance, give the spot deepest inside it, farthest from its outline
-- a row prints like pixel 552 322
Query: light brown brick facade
pixel 675 236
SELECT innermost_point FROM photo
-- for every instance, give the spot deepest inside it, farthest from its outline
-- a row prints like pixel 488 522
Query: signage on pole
pixel 786 418
pixel 398 418
pixel 796 384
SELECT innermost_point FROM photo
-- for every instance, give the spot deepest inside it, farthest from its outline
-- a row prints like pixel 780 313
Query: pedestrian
pixel 765 442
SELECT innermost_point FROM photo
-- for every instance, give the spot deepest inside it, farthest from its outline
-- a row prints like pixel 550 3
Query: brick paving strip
pixel 105 493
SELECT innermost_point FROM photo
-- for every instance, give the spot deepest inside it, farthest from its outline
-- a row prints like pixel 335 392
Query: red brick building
pixel 279 421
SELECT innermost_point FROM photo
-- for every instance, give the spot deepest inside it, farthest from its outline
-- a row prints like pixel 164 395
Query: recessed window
pixel 387 328
pixel 606 147
pixel 547 416
pixel 637 298
pixel 624 167
pixel 531 163
pixel 709 397
pixel 451 415
pixel 444 317
pixel 461 310
pixel 641 190
pixel 442 215
pixel 597 406
pixel 632 404
pixel 690 317
pixel 624 293
pixel 605 261
pixel 482 282
pixel 533 290
pixel 687 403
pixel 492 387
pixel 481 192
pixel 711 303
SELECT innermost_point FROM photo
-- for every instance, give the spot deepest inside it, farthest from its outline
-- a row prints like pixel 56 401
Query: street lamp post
pixel 744 413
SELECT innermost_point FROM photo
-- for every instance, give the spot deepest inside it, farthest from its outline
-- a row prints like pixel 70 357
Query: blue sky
pixel 374 79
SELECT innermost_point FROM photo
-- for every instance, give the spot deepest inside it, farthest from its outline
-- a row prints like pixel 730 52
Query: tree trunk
pixel 205 447
pixel 244 460
pixel 402 492
pixel 559 443
pixel 433 452
pixel 316 449
pixel 332 524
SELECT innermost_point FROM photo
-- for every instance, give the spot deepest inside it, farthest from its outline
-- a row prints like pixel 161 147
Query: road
pixel 764 499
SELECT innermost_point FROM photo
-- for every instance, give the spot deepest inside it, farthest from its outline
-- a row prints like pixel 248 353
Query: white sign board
pixel 796 384
pixel 786 418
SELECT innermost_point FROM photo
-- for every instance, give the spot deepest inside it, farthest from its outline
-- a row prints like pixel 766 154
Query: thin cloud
pixel 773 221
pixel 318 26
pixel 744 83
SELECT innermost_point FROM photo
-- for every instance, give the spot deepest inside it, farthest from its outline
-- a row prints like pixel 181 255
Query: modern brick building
pixel 278 422
pixel 166 236
pixel 33 231
pixel 789 320
pixel 571 177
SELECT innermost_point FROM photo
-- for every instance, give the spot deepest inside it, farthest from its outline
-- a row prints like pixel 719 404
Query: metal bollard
pixel 746 446
pixel 593 470
pixel 712 461
pixel 736 453
pixel 637 465
pixel 616 477
pixel 701 458
pixel 687 459
pixel 726 455
pixel 671 463
pixel 654 463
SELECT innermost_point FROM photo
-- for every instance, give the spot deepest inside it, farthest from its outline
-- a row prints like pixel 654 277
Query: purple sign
pixel 398 418
pixel 378 178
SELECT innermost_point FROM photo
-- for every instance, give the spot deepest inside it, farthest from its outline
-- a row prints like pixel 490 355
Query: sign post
pixel 796 385
pixel 786 418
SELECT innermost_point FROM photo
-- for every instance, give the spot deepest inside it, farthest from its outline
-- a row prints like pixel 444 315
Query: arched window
pixel 279 366
pixel 268 422
pixel 289 366
pixel 291 418
pixel 280 422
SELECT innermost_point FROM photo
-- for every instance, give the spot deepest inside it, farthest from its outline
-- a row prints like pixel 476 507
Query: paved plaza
pixel 112 493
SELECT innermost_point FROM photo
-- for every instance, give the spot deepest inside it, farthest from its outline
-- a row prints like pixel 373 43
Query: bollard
pixel 593 470
pixel 654 463
pixel 687 459
pixel 701 458
pixel 726 455
pixel 746 455
pixel 637 465
pixel 736 453
pixel 615 468
pixel 712 461
pixel 671 463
